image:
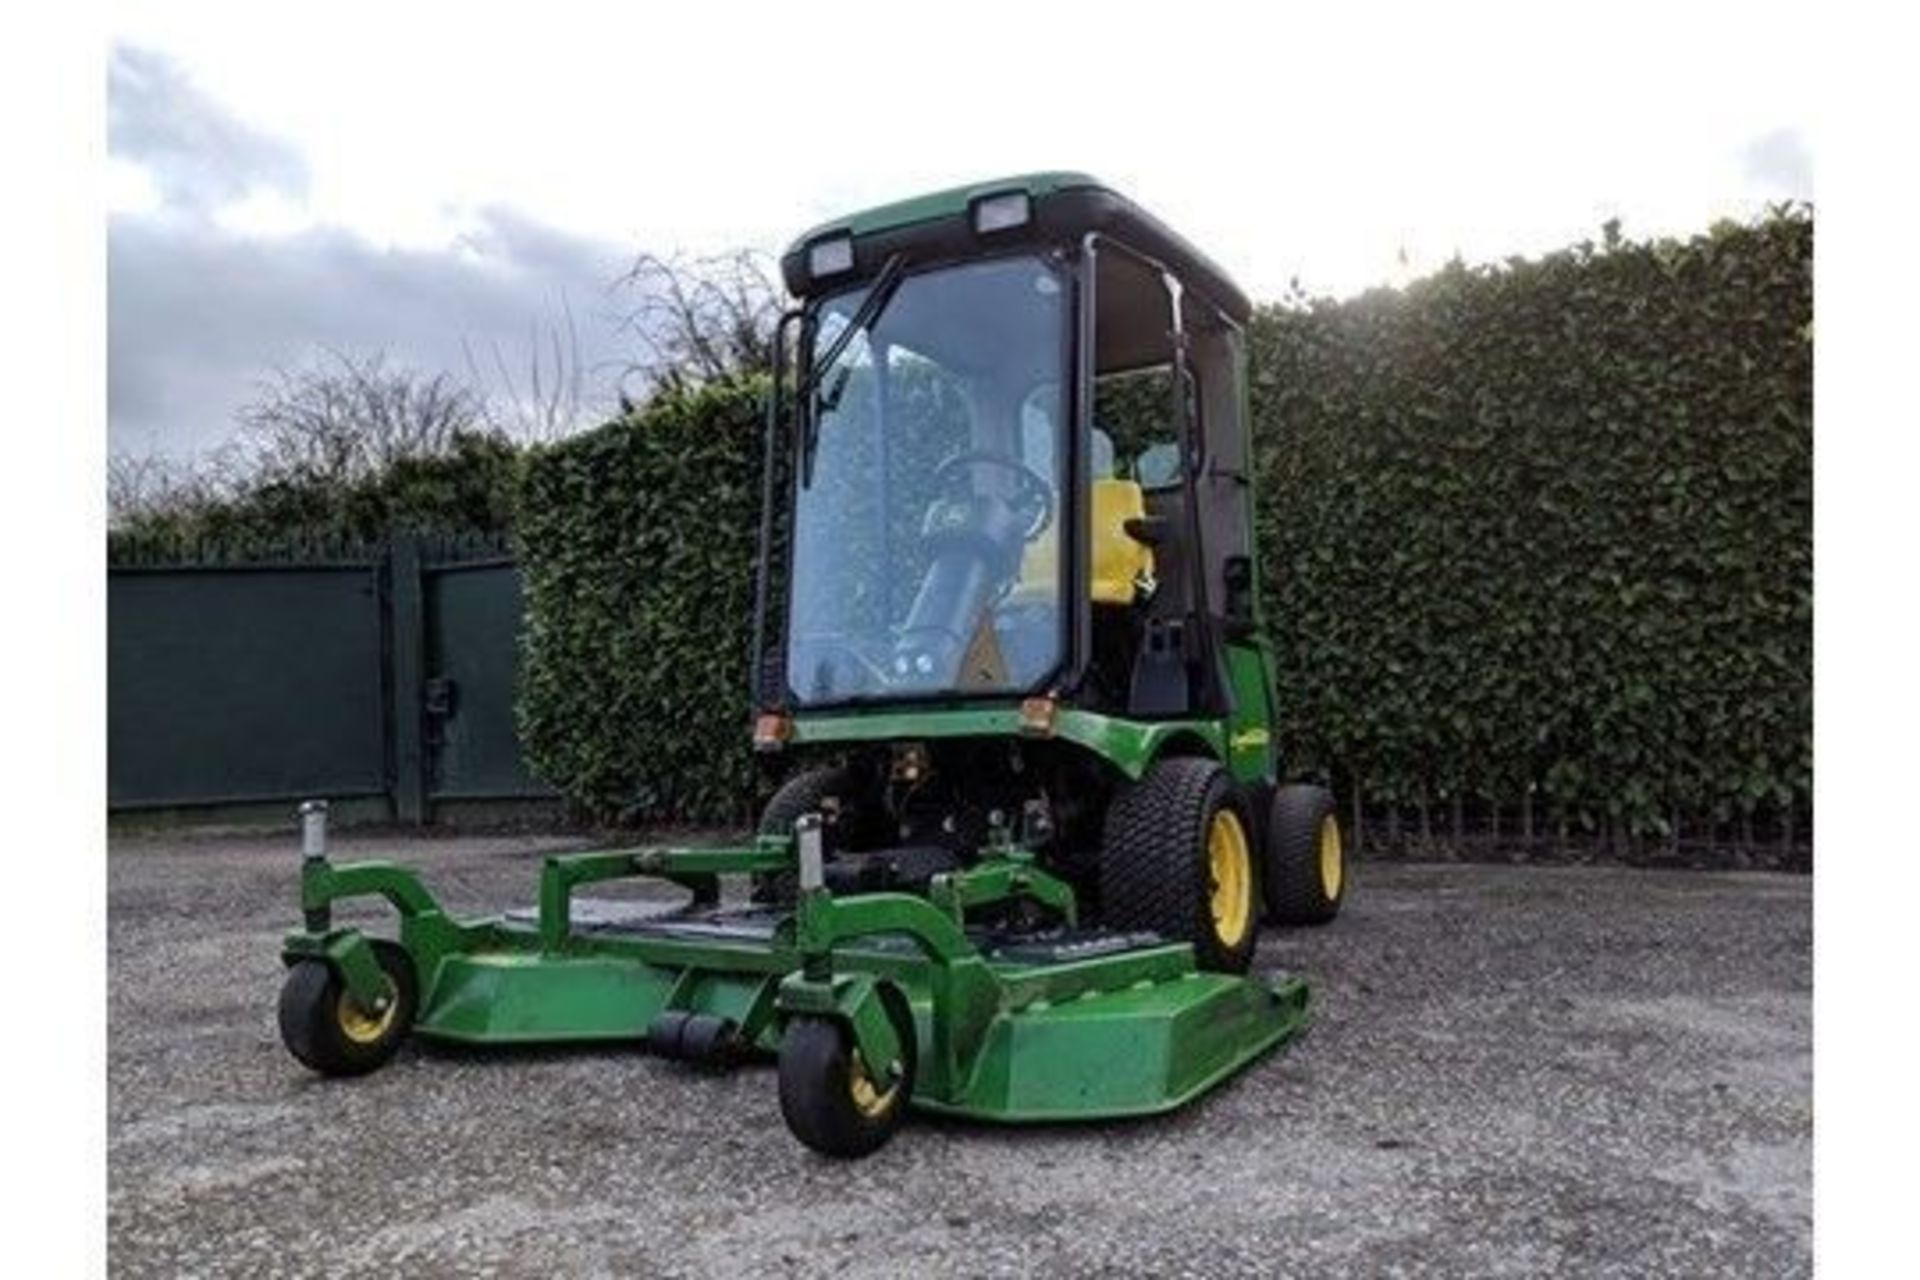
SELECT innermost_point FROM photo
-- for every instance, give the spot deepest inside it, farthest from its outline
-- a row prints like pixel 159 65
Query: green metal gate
pixel 473 613
pixel 385 675
pixel 234 684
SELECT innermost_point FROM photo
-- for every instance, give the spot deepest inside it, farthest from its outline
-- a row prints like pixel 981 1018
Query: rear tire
pixel 1307 874
pixel 1177 858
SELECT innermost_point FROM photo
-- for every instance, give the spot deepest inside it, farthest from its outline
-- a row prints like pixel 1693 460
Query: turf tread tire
pixel 1295 892
pixel 1153 858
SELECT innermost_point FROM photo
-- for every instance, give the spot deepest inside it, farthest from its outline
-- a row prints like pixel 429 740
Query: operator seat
pixel 1122 565
pixel 1121 572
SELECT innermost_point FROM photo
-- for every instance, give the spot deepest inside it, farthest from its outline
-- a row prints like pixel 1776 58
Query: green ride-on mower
pixel 1007 653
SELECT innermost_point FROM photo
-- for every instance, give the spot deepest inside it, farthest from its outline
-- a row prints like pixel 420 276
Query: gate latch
pixel 440 696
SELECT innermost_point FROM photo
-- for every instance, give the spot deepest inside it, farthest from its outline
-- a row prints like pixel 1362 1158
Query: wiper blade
pixel 864 317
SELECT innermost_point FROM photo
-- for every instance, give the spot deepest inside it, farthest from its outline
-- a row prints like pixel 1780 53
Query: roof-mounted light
pixel 830 257
pixel 1001 212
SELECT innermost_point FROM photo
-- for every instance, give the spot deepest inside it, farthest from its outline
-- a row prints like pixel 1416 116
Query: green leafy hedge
pixel 637 559
pixel 1536 539
pixel 469 490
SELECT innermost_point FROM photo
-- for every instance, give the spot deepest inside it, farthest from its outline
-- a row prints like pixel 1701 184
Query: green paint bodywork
pixel 347 953
pixel 942 204
pixel 1252 754
pixel 998 1037
pixel 1129 745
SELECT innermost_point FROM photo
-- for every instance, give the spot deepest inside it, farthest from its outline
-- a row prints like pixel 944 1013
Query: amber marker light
pixel 772 731
pixel 1036 717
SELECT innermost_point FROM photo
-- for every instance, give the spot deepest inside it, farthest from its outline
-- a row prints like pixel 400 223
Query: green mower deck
pixel 1044 1025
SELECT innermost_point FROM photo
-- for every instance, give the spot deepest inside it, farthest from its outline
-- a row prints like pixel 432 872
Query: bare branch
pixel 146 484
pixel 551 400
pixel 700 319
pixel 350 418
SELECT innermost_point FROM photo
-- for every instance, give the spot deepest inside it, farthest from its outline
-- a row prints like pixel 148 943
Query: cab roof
pixel 1065 207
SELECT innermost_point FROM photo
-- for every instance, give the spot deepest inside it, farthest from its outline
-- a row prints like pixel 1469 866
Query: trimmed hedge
pixel 636 545
pixel 469 491
pixel 1536 543
pixel 1538 538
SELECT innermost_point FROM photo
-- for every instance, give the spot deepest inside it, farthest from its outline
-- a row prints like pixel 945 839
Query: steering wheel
pixel 1034 490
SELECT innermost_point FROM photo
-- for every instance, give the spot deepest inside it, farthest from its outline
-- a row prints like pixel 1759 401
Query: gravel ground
pixel 1514 1072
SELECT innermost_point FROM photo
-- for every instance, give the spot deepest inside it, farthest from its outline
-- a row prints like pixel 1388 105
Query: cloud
pixel 197 316
pixel 200 312
pixel 198 153
pixel 1781 162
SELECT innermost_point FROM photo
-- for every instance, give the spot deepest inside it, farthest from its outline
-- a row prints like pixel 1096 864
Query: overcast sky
pixel 425 180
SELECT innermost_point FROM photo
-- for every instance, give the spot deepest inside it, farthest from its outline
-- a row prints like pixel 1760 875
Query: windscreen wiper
pixel 864 317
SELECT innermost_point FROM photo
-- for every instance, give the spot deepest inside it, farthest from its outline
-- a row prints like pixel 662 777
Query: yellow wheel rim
pixel 1230 867
pixel 868 1098
pixel 361 1027
pixel 1333 863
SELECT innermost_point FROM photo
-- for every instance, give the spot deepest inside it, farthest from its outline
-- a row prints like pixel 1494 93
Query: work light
pixel 1001 212
pixel 830 257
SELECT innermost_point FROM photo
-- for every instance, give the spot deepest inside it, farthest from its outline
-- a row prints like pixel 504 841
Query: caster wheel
pixel 329 1033
pixel 833 1101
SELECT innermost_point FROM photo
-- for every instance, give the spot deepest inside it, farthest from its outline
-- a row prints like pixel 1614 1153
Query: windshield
pixel 925 537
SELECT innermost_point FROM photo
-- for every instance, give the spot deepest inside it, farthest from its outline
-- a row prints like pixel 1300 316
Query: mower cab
pixel 1014 429
pixel 1007 655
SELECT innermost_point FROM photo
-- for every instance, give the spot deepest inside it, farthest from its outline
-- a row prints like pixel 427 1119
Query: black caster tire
pixel 1307 871
pixel 330 1034
pixel 830 1099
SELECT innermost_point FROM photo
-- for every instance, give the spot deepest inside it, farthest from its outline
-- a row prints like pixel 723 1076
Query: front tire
pixel 328 1032
pixel 832 791
pixel 834 1102
pixel 1307 874
pixel 1176 858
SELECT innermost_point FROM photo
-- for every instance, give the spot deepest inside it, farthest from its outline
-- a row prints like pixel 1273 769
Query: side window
pixel 1133 386
pixel 1134 409
pixel 1214 355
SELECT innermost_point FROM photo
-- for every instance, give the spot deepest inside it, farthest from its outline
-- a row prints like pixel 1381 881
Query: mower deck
pixel 1059 1024
pixel 1096 1024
